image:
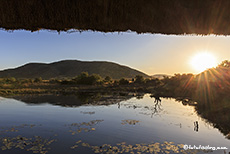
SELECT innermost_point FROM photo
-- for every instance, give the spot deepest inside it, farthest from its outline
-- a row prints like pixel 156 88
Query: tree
pixel 53 80
pixel 153 82
pixel 85 79
pixel 11 80
pixel 38 80
pixel 115 82
pixel 139 79
pixel 94 79
pixel 84 74
pixel 26 81
pixel 123 81
pixel 108 79
pixel 82 78
pixel 225 64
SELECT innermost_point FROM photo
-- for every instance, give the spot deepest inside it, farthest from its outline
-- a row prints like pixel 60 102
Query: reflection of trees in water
pixel 196 126
pixel 186 101
pixel 88 97
pixel 217 115
pixel 79 99
pixel 157 107
pixel 139 96
pixel 153 109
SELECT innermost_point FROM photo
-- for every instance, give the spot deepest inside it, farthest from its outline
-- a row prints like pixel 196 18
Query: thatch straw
pixel 153 16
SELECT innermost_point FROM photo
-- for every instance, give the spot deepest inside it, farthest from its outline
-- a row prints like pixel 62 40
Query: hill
pixel 160 76
pixel 71 68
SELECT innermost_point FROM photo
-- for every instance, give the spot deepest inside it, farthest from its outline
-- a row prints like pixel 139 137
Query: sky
pixel 149 53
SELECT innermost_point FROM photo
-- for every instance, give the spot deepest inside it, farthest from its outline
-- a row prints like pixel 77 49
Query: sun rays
pixel 203 61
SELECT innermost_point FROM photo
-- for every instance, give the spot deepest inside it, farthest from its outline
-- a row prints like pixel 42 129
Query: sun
pixel 203 61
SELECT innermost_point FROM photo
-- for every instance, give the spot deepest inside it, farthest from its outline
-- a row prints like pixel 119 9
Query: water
pixel 67 124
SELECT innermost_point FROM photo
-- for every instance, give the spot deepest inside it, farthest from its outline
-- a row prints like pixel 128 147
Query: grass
pixel 57 88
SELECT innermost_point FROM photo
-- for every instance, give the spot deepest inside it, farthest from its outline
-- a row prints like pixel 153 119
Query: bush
pixel 85 79
pixel 94 79
pixel 123 81
pixel 38 80
pixel 139 79
pixel 22 81
pixel 11 80
pixel 153 82
pixel 108 79
pixel 54 81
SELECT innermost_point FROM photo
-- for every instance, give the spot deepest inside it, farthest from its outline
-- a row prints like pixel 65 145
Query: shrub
pixel 123 81
pixel 85 79
pixel 38 80
pixel 108 79
pixel 139 79
pixel 11 80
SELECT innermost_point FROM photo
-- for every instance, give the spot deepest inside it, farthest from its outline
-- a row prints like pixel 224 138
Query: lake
pixel 124 124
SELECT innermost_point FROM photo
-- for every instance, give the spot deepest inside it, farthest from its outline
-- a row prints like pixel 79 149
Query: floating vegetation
pixel 8 130
pixel 130 122
pixel 16 128
pixel 36 144
pixel 90 113
pixel 84 126
pixel 153 148
pixel 76 145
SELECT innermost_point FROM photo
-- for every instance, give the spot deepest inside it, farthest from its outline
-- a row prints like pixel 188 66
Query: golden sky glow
pixel 149 53
pixel 202 61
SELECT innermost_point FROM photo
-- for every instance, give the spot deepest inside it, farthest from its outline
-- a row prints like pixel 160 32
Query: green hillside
pixel 71 68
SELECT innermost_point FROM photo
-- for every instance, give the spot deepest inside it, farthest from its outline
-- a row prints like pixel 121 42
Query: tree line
pixel 208 86
pixel 85 79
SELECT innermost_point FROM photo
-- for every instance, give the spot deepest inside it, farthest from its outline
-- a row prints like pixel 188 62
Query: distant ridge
pixel 160 76
pixel 71 68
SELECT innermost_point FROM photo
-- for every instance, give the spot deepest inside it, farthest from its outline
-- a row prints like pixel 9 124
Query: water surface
pixel 70 125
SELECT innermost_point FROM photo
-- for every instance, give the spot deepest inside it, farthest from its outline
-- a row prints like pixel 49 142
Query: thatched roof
pixel 141 16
